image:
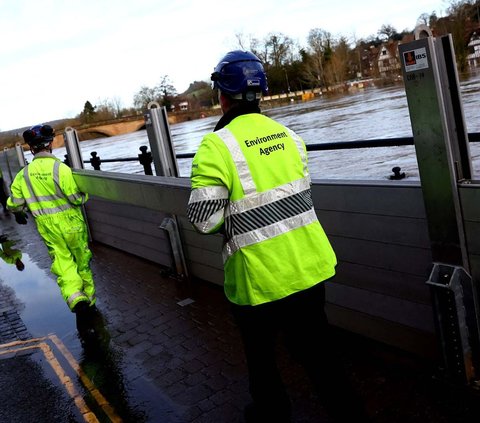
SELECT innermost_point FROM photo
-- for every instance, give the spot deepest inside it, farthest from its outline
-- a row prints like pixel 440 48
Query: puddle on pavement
pixel 43 311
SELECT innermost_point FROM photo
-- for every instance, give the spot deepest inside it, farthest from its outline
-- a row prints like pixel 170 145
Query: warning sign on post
pixel 415 59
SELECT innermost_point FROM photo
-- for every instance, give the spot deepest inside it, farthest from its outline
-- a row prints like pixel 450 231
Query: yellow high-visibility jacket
pixel 250 180
pixel 47 188
pixel 9 254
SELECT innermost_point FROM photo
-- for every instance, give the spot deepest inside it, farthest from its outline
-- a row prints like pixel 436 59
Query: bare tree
pixel 144 96
pixel 387 32
pixel 319 53
pixel 279 48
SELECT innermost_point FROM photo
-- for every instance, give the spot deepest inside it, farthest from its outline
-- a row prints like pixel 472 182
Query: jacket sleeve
pixel 16 202
pixel 210 195
pixel 69 187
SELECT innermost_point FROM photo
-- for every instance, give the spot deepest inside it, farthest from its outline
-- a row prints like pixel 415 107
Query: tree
pixel 105 110
pixel 423 19
pixel 88 114
pixel 387 32
pixel 320 52
pixel 167 91
pixel 460 13
pixel 279 48
pixel 144 96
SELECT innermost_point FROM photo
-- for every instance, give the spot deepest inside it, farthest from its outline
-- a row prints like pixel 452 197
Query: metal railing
pixel 146 160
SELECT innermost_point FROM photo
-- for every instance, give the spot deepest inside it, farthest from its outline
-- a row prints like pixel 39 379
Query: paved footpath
pixel 172 354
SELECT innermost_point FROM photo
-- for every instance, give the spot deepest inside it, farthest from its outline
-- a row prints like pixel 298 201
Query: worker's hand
pixel 21 218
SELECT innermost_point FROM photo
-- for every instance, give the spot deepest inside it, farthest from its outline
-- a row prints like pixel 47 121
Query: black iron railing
pixel 146 160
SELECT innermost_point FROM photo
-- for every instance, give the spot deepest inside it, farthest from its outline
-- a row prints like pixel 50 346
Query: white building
pixel 473 57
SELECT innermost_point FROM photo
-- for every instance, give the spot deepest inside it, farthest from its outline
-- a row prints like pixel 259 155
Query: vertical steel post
pixel 20 155
pixel 161 146
pixel 75 161
pixel 14 159
pixel 72 145
pixel 165 162
pixel 441 145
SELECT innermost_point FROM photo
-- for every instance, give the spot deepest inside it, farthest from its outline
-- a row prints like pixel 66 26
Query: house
pixel 388 61
pixel 183 106
pixel 473 57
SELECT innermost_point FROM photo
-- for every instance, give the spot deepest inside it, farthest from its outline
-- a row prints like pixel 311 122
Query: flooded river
pixel 372 113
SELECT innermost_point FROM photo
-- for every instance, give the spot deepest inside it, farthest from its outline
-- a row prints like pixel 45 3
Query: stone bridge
pixel 126 125
pixel 104 129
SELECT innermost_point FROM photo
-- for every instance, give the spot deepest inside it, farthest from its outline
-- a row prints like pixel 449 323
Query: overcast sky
pixel 57 54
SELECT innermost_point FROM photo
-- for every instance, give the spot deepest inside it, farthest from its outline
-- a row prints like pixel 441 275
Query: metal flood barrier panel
pixel 378 230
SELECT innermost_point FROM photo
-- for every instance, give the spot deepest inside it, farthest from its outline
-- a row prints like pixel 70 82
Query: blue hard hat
pixel 39 135
pixel 240 74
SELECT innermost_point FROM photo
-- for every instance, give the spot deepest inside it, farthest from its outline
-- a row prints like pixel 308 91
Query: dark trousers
pixel 302 320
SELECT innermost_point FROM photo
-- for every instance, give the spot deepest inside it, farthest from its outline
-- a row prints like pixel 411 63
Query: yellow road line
pixel 27 341
pixel 101 400
pixel 89 416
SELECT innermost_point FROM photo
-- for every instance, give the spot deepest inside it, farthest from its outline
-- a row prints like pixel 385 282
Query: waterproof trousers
pixel 66 237
pixel 303 322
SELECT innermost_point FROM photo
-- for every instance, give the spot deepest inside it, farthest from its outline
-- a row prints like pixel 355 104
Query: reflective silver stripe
pixel 74 296
pixel 206 207
pixel 208 193
pixel 55 197
pixel 208 225
pixel 28 183
pixel 239 159
pixel 56 179
pixel 51 210
pixel 75 197
pixel 301 150
pixel 267 232
pixel 18 201
pixel 267 197
pixel 43 198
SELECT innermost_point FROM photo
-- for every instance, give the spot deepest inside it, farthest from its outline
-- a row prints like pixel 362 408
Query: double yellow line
pixel 65 380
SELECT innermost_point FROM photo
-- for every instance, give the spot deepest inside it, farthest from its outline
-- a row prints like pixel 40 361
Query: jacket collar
pixel 241 109
pixel 43 154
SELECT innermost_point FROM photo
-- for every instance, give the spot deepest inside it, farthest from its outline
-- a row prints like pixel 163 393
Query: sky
pixel 57 54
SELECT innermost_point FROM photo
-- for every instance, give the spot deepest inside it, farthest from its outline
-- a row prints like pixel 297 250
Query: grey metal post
pixel 441 144
pixel 165 162
pixel 14 159
pixel 20 155
pixel 161 145
pixel 75 160
pixel 72 145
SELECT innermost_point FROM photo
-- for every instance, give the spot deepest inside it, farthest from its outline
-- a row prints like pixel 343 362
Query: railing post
pixel 20 155
pixel 158 131
pixel 14 159
pixel 145 159
pixel 72 145
pixel 95 161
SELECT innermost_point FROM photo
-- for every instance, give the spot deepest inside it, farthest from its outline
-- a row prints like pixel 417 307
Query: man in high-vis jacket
pixel 47 189
pixel 250 182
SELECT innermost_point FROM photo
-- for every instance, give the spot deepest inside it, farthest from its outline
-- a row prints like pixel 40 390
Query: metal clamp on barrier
pixel 457 320
pixel 169 225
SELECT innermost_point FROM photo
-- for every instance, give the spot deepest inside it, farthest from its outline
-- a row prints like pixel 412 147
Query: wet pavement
pixel 167 352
